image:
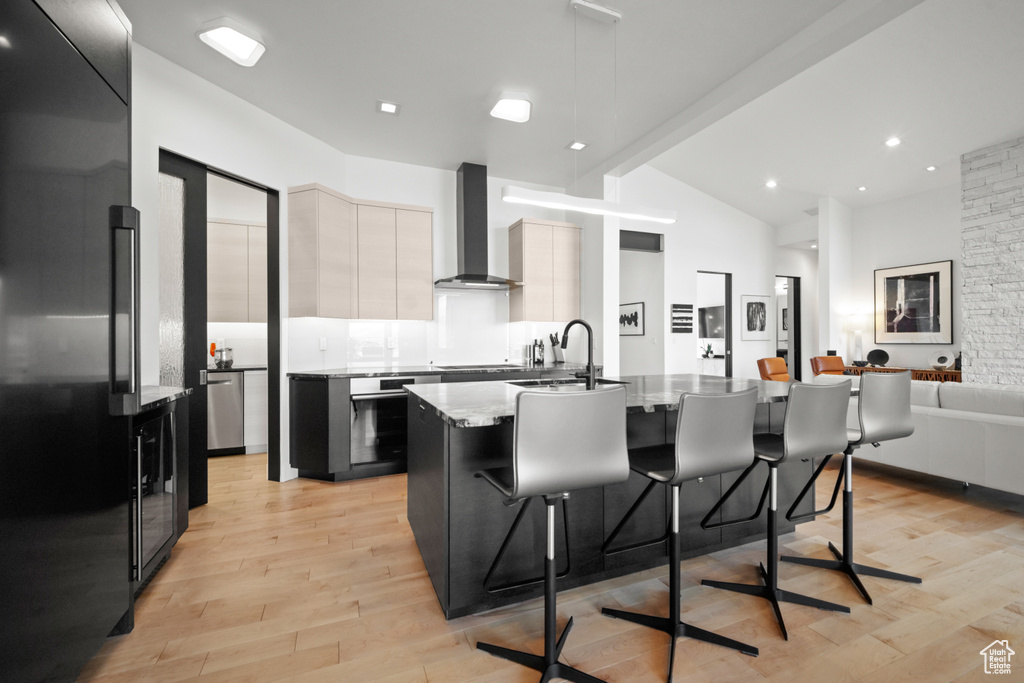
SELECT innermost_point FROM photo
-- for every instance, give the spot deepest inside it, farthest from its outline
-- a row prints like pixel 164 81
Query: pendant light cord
pixel 575 95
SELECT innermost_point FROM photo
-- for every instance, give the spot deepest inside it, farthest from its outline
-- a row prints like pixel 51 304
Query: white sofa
pixel 967 432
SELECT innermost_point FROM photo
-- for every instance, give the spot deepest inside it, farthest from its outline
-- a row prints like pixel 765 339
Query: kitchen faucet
pixel 590 375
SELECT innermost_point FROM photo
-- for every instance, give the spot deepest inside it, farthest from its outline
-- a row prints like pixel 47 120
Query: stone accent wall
pixel 992 262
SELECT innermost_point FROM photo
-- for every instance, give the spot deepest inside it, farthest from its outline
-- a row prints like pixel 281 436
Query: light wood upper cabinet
pixel 415 264
pixel 321 241
pixel 257 274
pixel 356 259
pixel 378 277
pixel 227 273
pixel 545 257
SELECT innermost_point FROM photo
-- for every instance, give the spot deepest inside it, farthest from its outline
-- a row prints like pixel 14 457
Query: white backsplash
pixel 469 326
pixel 247 341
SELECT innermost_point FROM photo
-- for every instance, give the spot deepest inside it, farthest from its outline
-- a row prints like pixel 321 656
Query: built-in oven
pixel 378 418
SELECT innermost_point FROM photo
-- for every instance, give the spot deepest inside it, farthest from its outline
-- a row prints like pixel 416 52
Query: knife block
pixel 557 351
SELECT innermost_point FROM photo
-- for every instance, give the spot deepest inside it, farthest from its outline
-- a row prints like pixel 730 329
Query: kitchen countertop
pixel 238 368
pixel 481 404
pixel 410 370
pixel 155 396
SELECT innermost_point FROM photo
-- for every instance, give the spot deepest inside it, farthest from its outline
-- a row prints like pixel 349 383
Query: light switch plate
pixel 323 343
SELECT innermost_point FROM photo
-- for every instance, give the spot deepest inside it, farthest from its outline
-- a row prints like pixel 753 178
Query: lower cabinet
pixel 255 409
pixel 159 485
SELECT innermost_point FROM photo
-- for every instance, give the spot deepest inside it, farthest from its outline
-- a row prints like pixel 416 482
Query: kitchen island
pixel 460 521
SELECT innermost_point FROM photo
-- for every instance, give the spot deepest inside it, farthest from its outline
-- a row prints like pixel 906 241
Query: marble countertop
pixel 481 404
pixel 410 370
pixel 155 396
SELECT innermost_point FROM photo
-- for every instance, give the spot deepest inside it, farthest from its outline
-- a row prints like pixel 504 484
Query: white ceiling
pixel 729 92
pixel 947 77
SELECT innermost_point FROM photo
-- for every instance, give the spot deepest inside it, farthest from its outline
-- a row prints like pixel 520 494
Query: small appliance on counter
pixel 223 358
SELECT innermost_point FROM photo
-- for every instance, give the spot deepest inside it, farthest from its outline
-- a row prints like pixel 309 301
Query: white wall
pixel 642 279
pixel 708 235
pixel 917 229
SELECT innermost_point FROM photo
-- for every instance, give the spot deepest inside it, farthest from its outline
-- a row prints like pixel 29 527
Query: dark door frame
pixel 194 173
pixel 728 317
pixel 795 345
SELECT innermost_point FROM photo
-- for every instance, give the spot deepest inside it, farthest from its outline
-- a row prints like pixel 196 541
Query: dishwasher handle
pixel 220 381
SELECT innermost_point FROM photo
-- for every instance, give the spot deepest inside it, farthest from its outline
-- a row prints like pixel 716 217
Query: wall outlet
pixel 323 343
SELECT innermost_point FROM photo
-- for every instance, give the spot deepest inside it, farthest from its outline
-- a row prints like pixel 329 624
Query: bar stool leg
pixel 673 625
pixel 843 561
pixel 548 664
pixel 770 577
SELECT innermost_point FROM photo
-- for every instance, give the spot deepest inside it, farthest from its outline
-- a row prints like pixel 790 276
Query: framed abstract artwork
pixel 631 319
pixel 913 304
pixel 754 325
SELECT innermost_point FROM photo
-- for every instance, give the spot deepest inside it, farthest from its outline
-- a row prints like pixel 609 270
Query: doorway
pixel 714 323
pixel 788 344
pixel 186 181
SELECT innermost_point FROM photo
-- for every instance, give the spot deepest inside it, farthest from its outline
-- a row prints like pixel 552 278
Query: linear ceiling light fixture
pixel 596 11
pixel 513 106
pixel 599 207
pixel 241 45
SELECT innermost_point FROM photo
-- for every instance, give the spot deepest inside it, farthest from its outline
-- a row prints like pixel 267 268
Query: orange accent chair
pixel 828 365
pixel 773 369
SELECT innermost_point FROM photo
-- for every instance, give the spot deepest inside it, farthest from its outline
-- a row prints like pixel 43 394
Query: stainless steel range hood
pixel 472 234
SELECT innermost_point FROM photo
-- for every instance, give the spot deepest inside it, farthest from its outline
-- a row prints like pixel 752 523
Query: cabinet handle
pixel 138 508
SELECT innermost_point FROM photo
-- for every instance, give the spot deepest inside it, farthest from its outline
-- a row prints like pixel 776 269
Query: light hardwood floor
pixel 310 581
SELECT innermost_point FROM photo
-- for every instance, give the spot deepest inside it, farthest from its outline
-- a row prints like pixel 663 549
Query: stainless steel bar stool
pixel 815 425
pixel 714 434
pixel 562 441
pixel 883 410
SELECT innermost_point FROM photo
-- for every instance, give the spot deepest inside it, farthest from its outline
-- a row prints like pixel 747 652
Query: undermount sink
pixel 564 383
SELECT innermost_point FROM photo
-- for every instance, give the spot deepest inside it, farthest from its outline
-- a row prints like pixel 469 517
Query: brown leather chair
pixel 827 365
pixel 773 369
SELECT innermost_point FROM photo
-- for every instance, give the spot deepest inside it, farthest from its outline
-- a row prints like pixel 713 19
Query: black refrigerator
pixel 68 333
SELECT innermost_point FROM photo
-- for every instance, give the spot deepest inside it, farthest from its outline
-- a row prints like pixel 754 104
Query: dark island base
pixel 459 520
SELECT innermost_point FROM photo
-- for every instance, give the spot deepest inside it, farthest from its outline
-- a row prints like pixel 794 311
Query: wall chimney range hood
pixel 471 203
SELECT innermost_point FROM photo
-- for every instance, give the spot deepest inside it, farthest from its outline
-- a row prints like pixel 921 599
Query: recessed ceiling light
pixel 576 145
pixel 241 45
pixel 771 184
pixel 862 188
pixel 4 42
pixel 512 107
pixel 388 107
pixel 930 168
pixel 814 246
pixel 892 142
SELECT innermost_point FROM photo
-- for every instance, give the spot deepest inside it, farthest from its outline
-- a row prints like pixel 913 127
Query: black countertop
pixel 155 396
pixel 411 370
pixel 238 368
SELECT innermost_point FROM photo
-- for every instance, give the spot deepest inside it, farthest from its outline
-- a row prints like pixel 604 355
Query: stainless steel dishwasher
pixel 224 396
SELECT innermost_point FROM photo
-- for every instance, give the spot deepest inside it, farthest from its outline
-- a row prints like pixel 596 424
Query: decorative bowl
pixel 938 366
pixel 860 363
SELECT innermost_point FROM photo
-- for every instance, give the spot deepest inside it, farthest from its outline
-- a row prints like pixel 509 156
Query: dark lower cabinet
pixel 460 522
pixel 159 509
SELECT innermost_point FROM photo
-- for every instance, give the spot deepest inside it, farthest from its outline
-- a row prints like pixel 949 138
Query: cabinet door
pixel 334 255
pixel 565 273
pixel 415 265
pixel 303 275
pixel 376 263
pixel 227 280
pixel 257 274
pixel 538 302
pixel 255 409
